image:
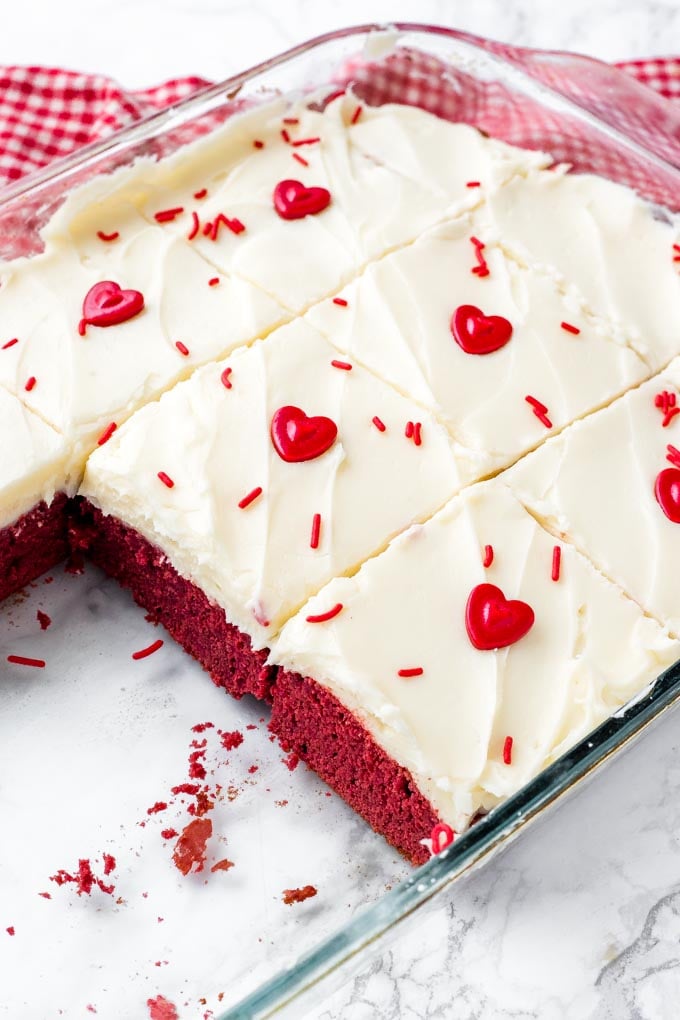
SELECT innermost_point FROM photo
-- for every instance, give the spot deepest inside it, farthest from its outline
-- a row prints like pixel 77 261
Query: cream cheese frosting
pixel 589 650
pixel 84 382
pixel 398 322
pixel 391 173
pixel 595 484
pixel 213 441
pixel 35 463
pixel 602 241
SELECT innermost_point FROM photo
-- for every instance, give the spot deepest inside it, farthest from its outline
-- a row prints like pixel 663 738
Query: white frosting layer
pixel 392 174
pixel 215 444
pixel 603 242
pixel 589 651
pixel 85 382
pixel 595 484
pixel 398 322
pixel 35 462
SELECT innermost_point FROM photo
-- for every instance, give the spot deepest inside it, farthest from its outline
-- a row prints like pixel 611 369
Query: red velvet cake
pixel 307 506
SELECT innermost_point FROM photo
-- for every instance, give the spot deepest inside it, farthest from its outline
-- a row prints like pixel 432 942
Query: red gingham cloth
pixel 46 113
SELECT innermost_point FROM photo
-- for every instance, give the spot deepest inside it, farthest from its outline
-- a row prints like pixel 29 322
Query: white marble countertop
pixel 581 917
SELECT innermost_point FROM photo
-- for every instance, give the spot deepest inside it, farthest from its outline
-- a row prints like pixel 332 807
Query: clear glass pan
pixel 580 110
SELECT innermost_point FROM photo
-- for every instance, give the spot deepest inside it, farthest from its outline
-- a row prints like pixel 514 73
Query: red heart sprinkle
pixel 107 304
pixel 492 621
pixel 292 200
pixel 477 333
pixel 667 492
pixel 297 437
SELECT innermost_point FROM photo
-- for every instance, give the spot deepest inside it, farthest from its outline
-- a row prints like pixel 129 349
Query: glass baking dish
pixel 582 112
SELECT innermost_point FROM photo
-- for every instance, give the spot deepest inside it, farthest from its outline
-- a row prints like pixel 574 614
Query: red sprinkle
pixel 415 671
pixel 481 269
pixel 556 561
pixel 149 650
pixel 342 364
pixel 300 159
pixel 250 498
pixel 356 114
pixel 473 184
pixel 166 215
pixel 408 431
pixel 182 348
pixel 225 377
pixel 195 226
pixel 568 328
pixel 323 617
pixel 316 531
pixel 107 433
pixel 10 343
pixel 507 751
pixel 213 281
pixel 673 455
pixel 233 224
pixel 291 120
pixel 666 402
pixel 379 423
pixel 540 410
pixel 23 660
pixel 82 327
pixel 108 237
pixel 207 228
pixel 442 836
pixel 488 556
pixel 417 438
pixel 306 141
pixel 257 144
pixel 30 383
pixel 285 135
pixel 201 194
pixel 166 479
pixel 340 301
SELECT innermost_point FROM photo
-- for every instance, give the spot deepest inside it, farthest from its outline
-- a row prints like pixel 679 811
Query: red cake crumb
pixel 222 865
pixel 43 619
pixel 292 761
pixel 281 803
pixel 202 727
pixel 190 850
pixel 231 740
pixel 168 833
pixel 161 1009
pixel 251 726
pixel 10 930
pixel 253 769
pixel 90 1008
pixel 196 767
pixel 298 895
pixel 85 879
pixel 203 804
pixel 160 805
pixel 45 895
pixel 190 788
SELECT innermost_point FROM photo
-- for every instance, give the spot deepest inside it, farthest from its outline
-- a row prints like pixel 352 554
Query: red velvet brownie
pixel 453 667
pixel 248 487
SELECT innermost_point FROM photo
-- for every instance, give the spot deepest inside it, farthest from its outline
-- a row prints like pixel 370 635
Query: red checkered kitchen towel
pixel 46 113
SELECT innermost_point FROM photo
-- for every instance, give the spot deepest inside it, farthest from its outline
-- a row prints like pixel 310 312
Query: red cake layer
pixel 33 544
pixel 184 610
pixel 314 724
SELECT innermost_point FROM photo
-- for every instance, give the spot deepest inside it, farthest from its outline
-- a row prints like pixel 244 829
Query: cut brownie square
pixel 611 485
pixel 468 679
pixel 35 475
pixel 603 242
pixel 261 478
pixel 497 352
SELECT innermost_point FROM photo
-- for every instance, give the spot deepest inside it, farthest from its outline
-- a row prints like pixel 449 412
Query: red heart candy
pixel 297 437
pixel 477 333
pixel 492 621
pixel 292 200
pixel 667 492
pixel 106 304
